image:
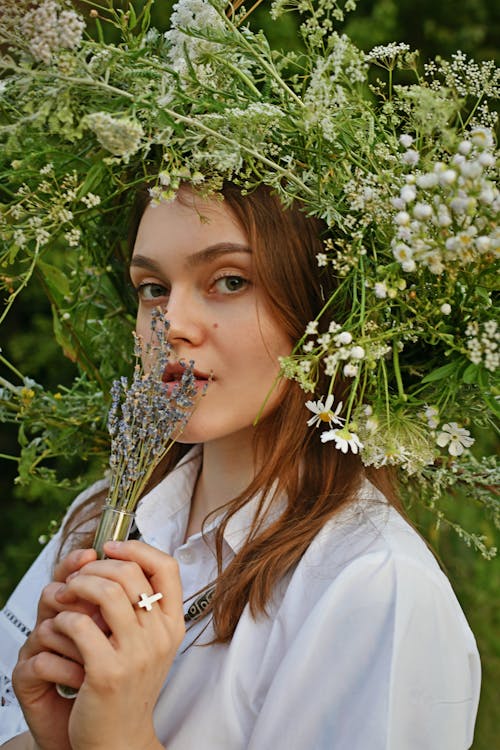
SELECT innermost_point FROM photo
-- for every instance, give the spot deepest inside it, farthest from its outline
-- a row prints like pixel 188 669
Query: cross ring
pixel 147 601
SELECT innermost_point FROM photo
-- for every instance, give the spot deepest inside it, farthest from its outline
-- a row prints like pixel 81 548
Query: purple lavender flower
pixel 145 417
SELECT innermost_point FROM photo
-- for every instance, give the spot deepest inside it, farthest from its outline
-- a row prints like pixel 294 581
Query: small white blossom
pixel 411 157
pixel 465 147
pixel 482 138
pixel 350 370
pixel 406 140
pixel 90 200
pixel 343 339
pixel 357 352
pixel 344 440
pixel 431 414
pixel 402 218
pixel 380 289
pixel 445 308
pixel 456 438
pixel 422 211
pixel 408 193
pixel 323 412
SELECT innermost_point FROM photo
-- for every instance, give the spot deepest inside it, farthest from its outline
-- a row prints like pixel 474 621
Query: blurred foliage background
pixel 27 340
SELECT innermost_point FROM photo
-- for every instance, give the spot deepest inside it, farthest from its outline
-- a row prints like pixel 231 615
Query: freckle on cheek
pixel 215 325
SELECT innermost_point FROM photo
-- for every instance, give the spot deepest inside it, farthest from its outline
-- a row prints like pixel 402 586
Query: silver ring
pixel 146 602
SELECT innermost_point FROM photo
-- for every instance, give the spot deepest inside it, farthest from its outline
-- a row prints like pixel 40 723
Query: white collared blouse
pixel 364 646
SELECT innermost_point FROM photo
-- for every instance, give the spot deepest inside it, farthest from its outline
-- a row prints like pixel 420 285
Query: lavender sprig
pixel 145 417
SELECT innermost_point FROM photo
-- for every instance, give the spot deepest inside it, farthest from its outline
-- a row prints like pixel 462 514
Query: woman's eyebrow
pixel 212 252
pixel 208 254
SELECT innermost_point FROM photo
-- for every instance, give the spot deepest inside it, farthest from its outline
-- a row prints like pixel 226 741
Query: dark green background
pixel 26 339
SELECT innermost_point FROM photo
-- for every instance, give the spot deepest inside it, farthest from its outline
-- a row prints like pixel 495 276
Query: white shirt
pixel 365 646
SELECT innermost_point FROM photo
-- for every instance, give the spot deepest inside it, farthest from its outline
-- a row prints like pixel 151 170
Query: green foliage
pixel 78 296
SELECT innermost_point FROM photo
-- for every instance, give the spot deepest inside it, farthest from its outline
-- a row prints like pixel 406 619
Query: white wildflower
pixel 456 438
pixel 350 370
pixel 323 412
pixel 408 193
pixel 406 140
pixel 482 138
pixel 90 200
pixel 49 29
pixel 411 157
pixel 343 339
pixel 344 440
pixel 422 211
pixel 357 352
pixel 380 289
pixel 73 237
pixel 120 135
pixel 431 414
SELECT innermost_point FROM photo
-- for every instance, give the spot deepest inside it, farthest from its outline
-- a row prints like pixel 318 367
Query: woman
pixel 330 625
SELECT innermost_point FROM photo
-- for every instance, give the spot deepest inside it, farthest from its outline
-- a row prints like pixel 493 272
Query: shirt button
pixel 185 555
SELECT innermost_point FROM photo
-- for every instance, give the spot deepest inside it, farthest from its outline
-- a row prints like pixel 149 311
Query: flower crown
pixel 402 174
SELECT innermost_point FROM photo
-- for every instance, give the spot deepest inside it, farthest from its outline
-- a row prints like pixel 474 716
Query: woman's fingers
pixel 139 569
pixel 72 562
pixel 46 638
pixel 115 585
pixel 105 592
pixel 161 570
pixel 30 676
pixel 49 605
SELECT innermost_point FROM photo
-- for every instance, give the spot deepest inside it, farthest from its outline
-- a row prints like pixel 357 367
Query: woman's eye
pixel 149 292
pixel 230 284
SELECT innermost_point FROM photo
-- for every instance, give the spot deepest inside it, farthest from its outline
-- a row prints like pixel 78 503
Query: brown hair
pixel 316 480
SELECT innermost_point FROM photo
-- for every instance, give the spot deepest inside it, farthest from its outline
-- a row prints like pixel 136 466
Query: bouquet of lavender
pixel 144 421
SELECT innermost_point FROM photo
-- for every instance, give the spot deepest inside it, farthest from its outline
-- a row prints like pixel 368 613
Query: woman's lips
pixel 174 371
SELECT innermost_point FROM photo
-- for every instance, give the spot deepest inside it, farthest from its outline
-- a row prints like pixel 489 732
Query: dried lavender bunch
pixel 146 417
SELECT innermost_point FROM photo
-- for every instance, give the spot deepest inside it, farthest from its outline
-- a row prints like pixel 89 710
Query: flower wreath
pixel 401 173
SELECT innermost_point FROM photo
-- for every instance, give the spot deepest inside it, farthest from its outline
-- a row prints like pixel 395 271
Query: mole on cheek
pixel 215 325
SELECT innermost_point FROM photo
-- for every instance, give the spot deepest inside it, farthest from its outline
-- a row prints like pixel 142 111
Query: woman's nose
pixel 183 312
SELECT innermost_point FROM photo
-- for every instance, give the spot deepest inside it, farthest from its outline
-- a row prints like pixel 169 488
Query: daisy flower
pixel 323 412
pixel 344 440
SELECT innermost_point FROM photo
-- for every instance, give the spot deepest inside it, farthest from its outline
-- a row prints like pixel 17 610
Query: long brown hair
pixel 316 480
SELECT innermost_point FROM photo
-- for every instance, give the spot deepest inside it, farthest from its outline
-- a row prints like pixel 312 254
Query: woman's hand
pixel 47 658
pixel 125 668
pixel 117 653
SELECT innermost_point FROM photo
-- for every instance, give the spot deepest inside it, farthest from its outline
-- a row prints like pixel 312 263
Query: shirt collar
pixel 162 515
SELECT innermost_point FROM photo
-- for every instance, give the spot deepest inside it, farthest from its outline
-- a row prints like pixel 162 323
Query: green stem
pixel 244 78
pixel 13 369
pixel 200 126
pixel 90 82
pixel 263 62
pixel 21 286
pixel 397 372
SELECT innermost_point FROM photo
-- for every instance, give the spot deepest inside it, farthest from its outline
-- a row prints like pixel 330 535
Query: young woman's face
pixel 193 259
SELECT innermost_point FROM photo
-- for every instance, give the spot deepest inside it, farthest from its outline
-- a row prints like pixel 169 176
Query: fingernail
pixel 113 545
pixel 72 575
pixel 60 591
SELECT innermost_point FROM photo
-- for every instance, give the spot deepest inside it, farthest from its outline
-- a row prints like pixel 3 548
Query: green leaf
pixel 62 338
pixel 470 374
pixel 93 179
pixel 56 280
pixel 132 16
pixel 440 373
